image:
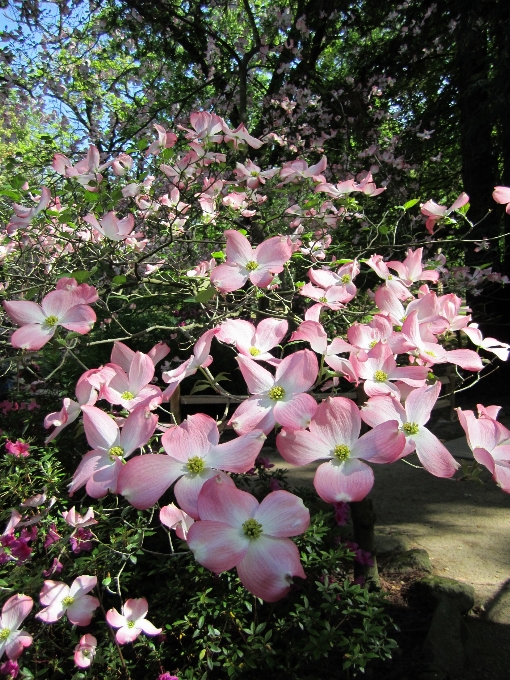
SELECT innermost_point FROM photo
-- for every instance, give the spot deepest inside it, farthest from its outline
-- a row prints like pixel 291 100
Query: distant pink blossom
pixel 111 226
pixel 165 140
pixel 58 599
pixel 200 358
pixel 435 212
pixel 23 216
pixel 132 622
pixel 74 519
pixel 259 264
pixel 175 518
pixel 85 651
pixel 502 195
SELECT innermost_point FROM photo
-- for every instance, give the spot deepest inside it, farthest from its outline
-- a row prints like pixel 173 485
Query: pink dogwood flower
pixel 132 622
pixel 23 216
pixel 174 518
pixel 435 212
pixel 39 323
pixel 254 342
pixel 83 293
pixel 193 455
pixel 74 519
pixel 411 269
pixel 200 358
pixel 12 640
pixel 133 389
pixel 392 282
pixel 259 264
pixel 280 398
pixel 18 449
pixel 85 651
pixel 334 434
pixel 324 278
pixel 240 136
pixel 99 469
pixel 333 297
pixel 293 171
pixel 380 367
pixel 58 599
pixel 236 531
pixel 433 455
pixel 489 441
pixel 500 349
pixel 110 226
pixel 165 140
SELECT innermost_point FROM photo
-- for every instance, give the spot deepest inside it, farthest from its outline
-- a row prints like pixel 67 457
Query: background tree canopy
pixel 418 92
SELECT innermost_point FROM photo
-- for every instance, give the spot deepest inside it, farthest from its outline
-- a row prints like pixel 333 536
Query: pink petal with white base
pixel 188 488
pixel 295 413
pixel 257 378
pixel 420 403
pixel 237 455
pixel 282 514
pixel 144 479
pixel 24 312
pixel 216 545
pixel 101 431
pixel 222 502
pixel 297 372
pixel 269 566
pixel 433 455
pixel 32 337
pixel 78 319
pixel 81 611
pixel 254 413
pixel 349 481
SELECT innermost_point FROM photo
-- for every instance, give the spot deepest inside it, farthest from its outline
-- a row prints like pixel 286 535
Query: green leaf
pixel 106 581
pixel 199 386
pixel 142 144
pixel 119 280
pixel 205 295
pixel 242 231
pixel 218 255
pixel 91 196
pixel 410 203
pixel 81 275
pixel 16 196
pixel 31 293
pixel 463 209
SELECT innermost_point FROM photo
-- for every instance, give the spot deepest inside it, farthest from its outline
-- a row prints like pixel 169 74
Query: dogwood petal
pixel 81 610
pixel 268 567
pixel 384 444
pixel 216 545
pixel 228 277
pixel 348 481
pixel 420 402
pixel 484 457
pixel 337 421
pixel 115 619
pixel 282 514
pixel 137 430
pixel 144 479
pixel 254 413
pixel 57 303
pixel 237 332
pixel 104 479
pixel 261 277
pixel 149 628
pixel 82 585
pixel 32 337
pixel 378 410
pixel 270 332
pixel 188 488
pixel 24 312
pixel 135 608
pixel 273 252
pixel 300 447
pixel 89 464
pixel 257 378
pixel 314 333
pixel 16 643
pixel 221 501
pixel 465 358
pixel 101 431
pixel 238 249
pixel 79 319
pixel 15 611
pixel 237 455
pixel 297 372
pixel 296 412
pixel 141 372
pixel 433 455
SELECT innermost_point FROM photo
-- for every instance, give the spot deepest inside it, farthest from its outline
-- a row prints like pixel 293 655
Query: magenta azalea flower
pixel 236 531
pixel 18 449
pixel 39 323
pixel 132 621
pixel 85 651
pixel 334 434
pixel 99 469
pixel 193 456
pixel 280 398
pixel 58 599
pixel 14 612
pixel 258 264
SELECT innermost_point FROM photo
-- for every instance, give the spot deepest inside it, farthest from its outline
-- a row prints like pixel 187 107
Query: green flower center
pixel 252 528
pixel 410 428
pixel 85 652
pixel 380 376
pixel 345 278
pixel 4 634
pixel 430 353
pixel 130 624
pixel 342 452
pixel 323 299
pixel 254 351
pixel 373 344
pixel 390 278
pixel 196 465
pixel 68 601
pixel 127 396
pixel 251 266
pixel 116 452
pixel 276 393
pixel 253 173
pixel 51 321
